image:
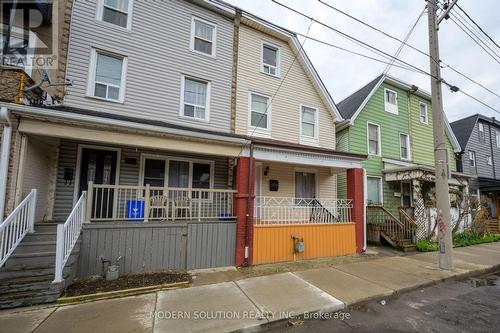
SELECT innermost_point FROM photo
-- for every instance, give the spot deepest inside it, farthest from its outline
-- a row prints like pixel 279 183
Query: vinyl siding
pixel 482 150
pixel 129 172
pixel 158 54
pixel 295 90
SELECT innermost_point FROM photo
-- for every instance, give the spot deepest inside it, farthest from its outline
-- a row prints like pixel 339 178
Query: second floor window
pixel 259 113
pixel 373 139
pixel 270 59
pixel 308 122
pixel 472 158
pixel 498 138
pixel 482 138
pixel 195 96
pixel 404 141
pixel 116 12
pixel 108 80
pixel 203 36
pixel 423 113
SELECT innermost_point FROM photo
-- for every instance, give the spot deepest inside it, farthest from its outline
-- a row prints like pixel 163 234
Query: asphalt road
pixel 446 307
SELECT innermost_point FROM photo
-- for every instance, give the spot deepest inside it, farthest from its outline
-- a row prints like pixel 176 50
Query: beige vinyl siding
pixel 285 174
pixel 296 89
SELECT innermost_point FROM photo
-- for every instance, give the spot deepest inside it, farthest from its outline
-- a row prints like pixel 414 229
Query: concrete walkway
pixel 254 303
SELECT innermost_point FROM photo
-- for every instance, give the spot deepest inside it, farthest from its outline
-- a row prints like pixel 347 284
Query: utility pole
pixel 443 219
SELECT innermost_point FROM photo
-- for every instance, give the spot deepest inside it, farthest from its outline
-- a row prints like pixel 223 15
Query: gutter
pixel 4 157
pixel 51 113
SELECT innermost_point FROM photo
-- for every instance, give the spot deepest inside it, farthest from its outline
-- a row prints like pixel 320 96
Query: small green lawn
pixel 459 240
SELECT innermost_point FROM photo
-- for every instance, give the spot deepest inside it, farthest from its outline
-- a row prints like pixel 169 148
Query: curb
pixel 119 293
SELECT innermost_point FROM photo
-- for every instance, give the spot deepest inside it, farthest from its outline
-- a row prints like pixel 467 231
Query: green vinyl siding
pixel 342 145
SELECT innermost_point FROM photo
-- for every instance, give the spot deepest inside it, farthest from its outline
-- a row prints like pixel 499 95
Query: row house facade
pixel 193 135
pixel 479 138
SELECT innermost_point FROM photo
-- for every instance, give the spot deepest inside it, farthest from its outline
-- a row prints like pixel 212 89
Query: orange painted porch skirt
pixel 273 243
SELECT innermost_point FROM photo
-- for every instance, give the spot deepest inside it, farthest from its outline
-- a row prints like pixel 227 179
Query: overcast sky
pixel 344 73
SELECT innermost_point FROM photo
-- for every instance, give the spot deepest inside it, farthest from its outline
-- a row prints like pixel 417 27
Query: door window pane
pixel 406 194
pixel 305 185
pixel 373 190
pixel 154 172
pixel 178 174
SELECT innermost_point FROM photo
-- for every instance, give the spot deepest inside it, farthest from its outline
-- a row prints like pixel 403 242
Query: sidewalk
pixel 253 303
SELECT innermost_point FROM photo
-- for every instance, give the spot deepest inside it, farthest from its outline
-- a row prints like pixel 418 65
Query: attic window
pixel 391 101
pixel 270 59
pixel 482 138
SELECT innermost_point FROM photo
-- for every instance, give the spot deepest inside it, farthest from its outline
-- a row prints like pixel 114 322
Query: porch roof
pixel 489 184
pixel 424 172
pixel 287 152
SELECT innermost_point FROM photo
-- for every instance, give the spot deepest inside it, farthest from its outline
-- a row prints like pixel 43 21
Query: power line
pixel 351 38
pixel 477 25
pixel 471 37
pixel 443 64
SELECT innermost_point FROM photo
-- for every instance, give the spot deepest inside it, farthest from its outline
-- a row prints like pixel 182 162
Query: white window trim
pixel 100 12
pixel 316 180
pixel 407 146
pixel 379 150
pixel 473 158
pixel 426 113
pixel 497 136
pixel 207 102
pixel 167 159
pixel 381 195
pixel 92 74
pixel 480 130
pixel 258 131
pixel 214 37
pixel 305 139
pixel 388 107
pixel 489 160
pixel 278 58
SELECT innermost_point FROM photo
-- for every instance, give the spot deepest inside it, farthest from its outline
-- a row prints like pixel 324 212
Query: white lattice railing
pixel 67 235
pixel 150 203
pixel 16 226
pixel 288 210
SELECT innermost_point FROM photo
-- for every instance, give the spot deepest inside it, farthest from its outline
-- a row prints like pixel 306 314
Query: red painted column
pixel 355 191
pixel 244 230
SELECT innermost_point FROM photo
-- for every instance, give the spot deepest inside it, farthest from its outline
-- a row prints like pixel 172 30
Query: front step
pixel 36 247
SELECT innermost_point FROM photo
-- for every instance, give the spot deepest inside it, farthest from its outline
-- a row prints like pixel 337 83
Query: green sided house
pixel 391 121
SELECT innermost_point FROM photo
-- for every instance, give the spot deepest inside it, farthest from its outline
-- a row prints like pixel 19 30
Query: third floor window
pixel 203 36
pixel 116 12
pixel 270 59
pixel 482 138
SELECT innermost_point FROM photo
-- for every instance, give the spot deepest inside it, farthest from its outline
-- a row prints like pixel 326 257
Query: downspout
pixel 491 150
pixel 4 157
pixel 249 203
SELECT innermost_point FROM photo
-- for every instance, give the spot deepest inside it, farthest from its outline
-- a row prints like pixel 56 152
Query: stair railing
pixel 409 225
pixel 387 222
pixel 67 235
pixel 20 222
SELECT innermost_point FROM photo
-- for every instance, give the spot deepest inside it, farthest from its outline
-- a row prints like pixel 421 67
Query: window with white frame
pixel 308 122
pixel 390 101
pixel 270 59
pixel 374 190
pixel 189 174
pixel 373 139
pixel 305 187
pixel 497 135
pixel 116 12
pixel 482 137
pixel 423 113
pixel 259 111
pixel 203 36
pixel 195 97
pixel 488 160
pixel 404 146
pixel 108 71
pixel 472 158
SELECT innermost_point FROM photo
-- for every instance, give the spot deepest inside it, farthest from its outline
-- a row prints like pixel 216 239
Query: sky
pixel 344 73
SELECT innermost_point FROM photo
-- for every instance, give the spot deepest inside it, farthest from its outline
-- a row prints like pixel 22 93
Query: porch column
pixel 355 191
pixel 419 211
pixel 244 231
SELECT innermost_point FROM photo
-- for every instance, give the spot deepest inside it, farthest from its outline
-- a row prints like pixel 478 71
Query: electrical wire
pixel 477 25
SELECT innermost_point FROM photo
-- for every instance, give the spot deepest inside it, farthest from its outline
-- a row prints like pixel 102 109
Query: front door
pixel 498 208
pixel 99 166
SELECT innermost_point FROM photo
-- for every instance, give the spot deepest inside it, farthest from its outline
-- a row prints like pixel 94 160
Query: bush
pixel 426 246
pixel 465 238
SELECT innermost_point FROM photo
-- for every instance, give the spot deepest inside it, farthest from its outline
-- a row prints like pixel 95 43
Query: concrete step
pixel 40 237
pixel 409 248
pixel 35 247
pixel 28 299
pixel 32 283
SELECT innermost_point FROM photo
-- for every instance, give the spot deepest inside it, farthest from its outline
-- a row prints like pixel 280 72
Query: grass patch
pixel 459 240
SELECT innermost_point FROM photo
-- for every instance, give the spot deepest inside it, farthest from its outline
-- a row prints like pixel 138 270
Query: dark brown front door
pixel 99 166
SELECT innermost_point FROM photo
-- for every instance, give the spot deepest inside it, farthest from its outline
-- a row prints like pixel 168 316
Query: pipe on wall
pixel 4 157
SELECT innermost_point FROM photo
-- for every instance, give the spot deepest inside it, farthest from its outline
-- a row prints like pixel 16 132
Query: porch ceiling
pixel 129 138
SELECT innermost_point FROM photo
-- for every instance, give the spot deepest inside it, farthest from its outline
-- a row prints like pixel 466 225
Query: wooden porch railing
pixel 151 203
pixel 398 229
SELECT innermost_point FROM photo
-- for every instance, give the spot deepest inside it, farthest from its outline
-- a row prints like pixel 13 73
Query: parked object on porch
pixel 158 206
pixel 182 205
pixel 135 210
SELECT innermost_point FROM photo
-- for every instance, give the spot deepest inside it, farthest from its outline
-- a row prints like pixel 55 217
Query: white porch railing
pixel 16 226
pixel 288 210
pixel 150 203
pixel 67 235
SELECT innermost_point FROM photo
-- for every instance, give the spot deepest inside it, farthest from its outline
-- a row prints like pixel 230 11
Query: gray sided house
pixel 479 138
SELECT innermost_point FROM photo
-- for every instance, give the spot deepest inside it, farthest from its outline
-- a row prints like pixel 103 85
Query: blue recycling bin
pixel 135 210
